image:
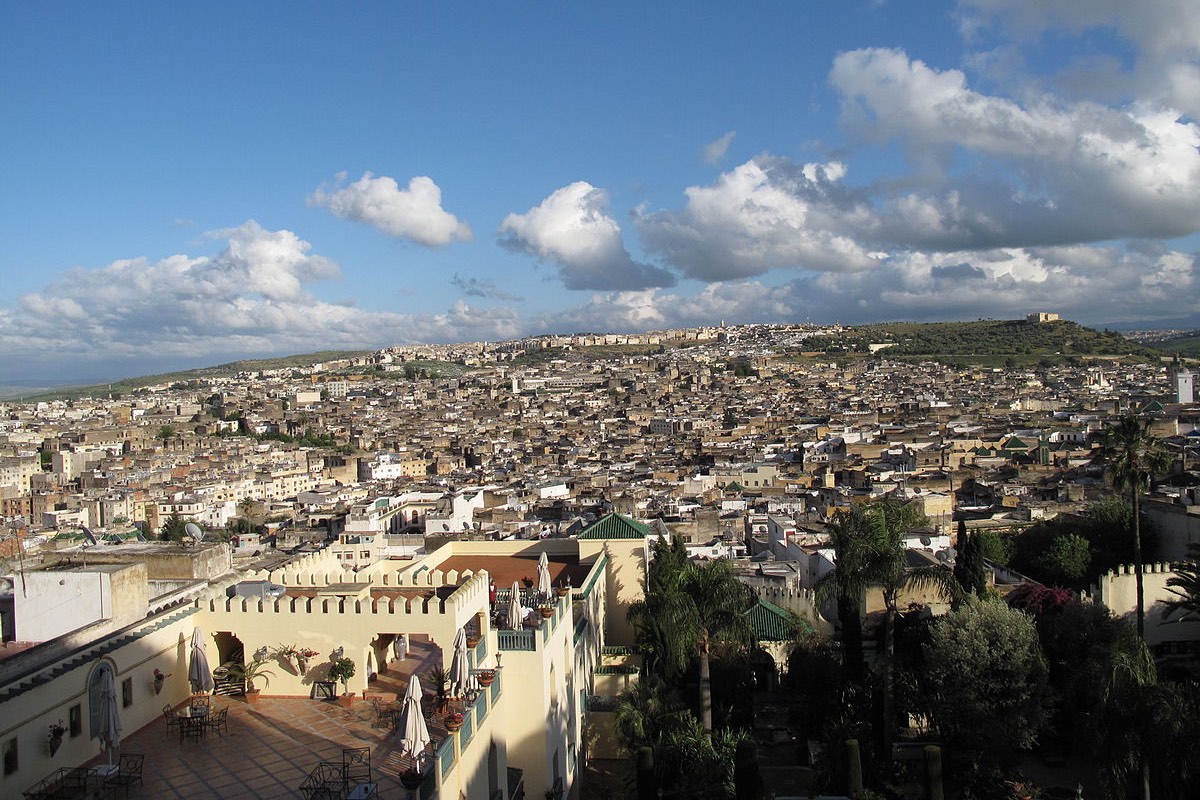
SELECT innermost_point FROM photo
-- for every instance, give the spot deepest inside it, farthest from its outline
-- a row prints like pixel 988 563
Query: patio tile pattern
pixel 272 746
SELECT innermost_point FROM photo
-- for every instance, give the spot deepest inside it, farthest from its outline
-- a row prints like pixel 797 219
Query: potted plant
pixel 342 669
pixel 57 730
pixel 302 657
pixel 439 679
pixel 251 672
pixel 546 610
pixel 287 653
pixel 472 640
pixel 411 778
pixel 454 721
pixel 486 677
pixel 159 680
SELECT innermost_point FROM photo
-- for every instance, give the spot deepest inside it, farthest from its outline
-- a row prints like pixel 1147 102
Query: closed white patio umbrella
pixel 414 733
pixel 199 675
pixel 461 679
pixel 544 587
pixel 514 608
pixel 110 715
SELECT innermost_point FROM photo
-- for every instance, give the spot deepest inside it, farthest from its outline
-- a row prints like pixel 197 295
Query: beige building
pixel 532 719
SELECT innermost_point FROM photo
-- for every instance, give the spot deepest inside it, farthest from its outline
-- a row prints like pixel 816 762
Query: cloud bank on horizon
pixel 999 185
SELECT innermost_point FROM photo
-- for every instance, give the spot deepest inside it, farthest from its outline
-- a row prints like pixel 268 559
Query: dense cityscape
pixel 738 459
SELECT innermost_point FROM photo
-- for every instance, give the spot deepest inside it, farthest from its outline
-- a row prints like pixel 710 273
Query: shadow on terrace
pixel 272 746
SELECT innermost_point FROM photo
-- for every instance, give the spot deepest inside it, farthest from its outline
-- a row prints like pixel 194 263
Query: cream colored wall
pixel 1118 592
pixel 533 730
pixel 626 582
pixel 29 715
pixel 325 624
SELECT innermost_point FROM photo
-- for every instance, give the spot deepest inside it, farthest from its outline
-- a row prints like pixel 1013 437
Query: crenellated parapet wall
pixel 1117 591
pixel 801 602
pixel 327 611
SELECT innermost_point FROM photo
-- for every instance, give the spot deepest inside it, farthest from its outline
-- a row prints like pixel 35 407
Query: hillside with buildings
pixel 371 507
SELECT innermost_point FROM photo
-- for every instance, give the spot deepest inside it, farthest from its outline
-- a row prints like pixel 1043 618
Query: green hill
pixel 1184 345
pixel 982 341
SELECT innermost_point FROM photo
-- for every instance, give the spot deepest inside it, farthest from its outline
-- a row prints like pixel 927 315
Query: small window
pixel 127 693
pixel 75 720
pixel 10 756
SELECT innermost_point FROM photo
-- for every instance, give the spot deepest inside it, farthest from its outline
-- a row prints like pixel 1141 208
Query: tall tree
pixel 969 569
pixel 693 608
pixel 246 510
pixel 985 683
pixel 847 584
pixel 719 601
pixel 1133 457
pixel 887 565
pixel 869 551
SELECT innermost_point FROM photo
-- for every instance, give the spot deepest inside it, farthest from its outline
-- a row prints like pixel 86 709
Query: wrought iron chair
pixel 218 720
pixel 129 772
pixel 356 766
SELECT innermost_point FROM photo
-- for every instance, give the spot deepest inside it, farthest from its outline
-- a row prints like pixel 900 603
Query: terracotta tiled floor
pixel 272 746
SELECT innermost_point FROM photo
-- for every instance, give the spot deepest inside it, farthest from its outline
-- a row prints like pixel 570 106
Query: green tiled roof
pixel 770 623
pixel 615 526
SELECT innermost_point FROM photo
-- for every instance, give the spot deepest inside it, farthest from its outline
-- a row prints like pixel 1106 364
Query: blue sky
pixel 188 183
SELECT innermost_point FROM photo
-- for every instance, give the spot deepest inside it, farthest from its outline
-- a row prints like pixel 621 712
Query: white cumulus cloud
pixel 572 229
pixel 136 316
pixel 415 213
pixel 765 214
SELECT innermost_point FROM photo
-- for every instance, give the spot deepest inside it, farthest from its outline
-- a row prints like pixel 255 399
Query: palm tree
pixel 847 584
pixel 246 509
pixel 870 551
pixel 1133 457
pixel 719 600
pixel 693 607
pixel 886 564
pixel 1185 584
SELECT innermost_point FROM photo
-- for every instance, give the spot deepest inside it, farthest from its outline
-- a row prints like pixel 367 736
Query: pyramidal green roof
pixel 615 526
pixel 770 623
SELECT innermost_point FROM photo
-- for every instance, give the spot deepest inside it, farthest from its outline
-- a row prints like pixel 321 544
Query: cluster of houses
pixel 387 502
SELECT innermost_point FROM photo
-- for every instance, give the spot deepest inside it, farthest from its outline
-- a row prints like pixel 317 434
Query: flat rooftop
pixel 506 569
pixel 272 746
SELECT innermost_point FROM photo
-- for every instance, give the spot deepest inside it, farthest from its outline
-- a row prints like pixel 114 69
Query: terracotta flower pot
pixel 55 743
pixel 472 641
pixel 346 700
pixel 453 725
pixel 486 678
pixel 546 611
pixel 252 696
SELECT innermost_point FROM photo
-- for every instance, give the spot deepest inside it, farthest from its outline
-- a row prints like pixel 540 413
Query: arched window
pixel 96 697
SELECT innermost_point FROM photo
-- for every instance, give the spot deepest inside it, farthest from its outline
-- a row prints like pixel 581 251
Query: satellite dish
pixel 91 537
pixel 445 527
pixel 193 530
pixel 926 541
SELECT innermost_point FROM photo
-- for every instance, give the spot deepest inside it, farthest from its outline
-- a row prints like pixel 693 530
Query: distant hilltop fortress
pixel 1042 316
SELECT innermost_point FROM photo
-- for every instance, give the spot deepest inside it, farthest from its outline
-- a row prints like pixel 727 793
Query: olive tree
pixel 986 680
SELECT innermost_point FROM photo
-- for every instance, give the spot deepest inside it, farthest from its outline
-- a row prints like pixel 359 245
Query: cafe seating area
pixel 268 750
pixel 90 783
